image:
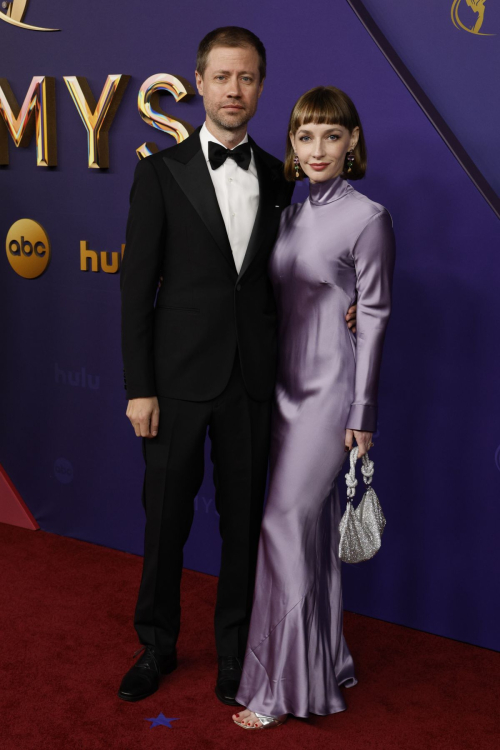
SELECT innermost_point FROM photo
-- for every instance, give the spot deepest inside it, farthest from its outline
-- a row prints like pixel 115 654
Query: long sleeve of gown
pixel 373 253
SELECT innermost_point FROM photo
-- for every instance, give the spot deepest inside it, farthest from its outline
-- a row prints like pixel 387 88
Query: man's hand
pixel 363 439
pixel 351 318
pixel 144 414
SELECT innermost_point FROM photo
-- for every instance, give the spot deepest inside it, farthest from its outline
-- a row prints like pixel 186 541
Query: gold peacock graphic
pixel 477 8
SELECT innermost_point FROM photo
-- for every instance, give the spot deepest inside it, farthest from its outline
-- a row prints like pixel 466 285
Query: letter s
pixel 149 108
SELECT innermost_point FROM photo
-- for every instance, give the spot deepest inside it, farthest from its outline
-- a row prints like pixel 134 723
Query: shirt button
pixel 230 179
pixel 233 214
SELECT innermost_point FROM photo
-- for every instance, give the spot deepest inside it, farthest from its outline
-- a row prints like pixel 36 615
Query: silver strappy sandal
pixel 266 722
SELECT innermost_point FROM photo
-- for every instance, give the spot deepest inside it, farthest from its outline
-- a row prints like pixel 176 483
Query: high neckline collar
pixel 328 191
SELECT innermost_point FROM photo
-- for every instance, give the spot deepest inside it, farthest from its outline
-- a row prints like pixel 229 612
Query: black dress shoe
pixel 228 680
pixel 144 677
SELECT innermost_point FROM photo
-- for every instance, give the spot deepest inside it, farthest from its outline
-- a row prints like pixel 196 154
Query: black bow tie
pixel 217 155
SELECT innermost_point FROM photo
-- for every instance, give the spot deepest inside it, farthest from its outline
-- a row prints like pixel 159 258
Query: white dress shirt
pixel 237 192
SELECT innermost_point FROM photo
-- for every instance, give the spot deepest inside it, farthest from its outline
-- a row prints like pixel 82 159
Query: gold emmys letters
pixel 37 113
pixel 97 118
pixel 148 103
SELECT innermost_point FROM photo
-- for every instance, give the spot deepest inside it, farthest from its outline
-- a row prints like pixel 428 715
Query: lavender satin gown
pixel 335 247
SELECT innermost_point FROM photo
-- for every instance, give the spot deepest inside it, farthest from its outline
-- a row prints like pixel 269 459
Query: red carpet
pixel 67 638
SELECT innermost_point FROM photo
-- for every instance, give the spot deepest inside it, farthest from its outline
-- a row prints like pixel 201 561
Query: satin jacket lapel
pixel 194 180
pixel 264 212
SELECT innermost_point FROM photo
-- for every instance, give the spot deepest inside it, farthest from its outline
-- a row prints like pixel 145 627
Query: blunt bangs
pixel 320 108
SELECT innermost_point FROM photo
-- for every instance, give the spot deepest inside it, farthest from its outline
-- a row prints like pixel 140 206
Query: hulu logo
pixel 103 261
pixel 78 379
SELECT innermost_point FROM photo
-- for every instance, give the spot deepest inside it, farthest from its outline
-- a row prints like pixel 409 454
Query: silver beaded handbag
pixel 361 528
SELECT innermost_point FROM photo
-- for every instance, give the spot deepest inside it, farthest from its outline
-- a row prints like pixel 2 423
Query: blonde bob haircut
pixel 326 105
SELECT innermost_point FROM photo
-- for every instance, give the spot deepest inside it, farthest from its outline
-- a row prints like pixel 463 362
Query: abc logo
pixel 63 470
pixel 28 248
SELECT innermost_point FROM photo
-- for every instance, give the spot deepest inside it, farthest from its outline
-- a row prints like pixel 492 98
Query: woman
pixel 334 247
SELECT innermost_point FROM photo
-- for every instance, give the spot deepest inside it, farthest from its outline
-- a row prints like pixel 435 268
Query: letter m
pixel 38 113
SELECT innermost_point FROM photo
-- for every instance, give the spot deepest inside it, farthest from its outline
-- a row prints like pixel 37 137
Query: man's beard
pixel 230 122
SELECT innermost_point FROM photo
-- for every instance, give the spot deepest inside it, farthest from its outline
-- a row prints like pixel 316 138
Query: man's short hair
pixel 230 36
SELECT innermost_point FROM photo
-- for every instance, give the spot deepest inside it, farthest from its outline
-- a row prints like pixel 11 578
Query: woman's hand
pixel 351 318
pixel 363 440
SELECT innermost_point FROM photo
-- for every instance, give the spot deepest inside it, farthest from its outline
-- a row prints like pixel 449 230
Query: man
pixel 204 215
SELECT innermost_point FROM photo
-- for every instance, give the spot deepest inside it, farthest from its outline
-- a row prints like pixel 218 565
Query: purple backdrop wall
pixel 69 448
pixel 458 70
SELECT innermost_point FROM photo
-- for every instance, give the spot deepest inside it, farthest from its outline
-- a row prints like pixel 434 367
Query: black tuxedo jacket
pixel 184 345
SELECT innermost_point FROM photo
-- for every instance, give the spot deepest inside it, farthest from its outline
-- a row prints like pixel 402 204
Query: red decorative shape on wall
pixel 13 509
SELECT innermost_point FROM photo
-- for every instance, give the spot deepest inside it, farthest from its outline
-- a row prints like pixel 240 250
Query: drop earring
pixel 350 160
pixel 296 164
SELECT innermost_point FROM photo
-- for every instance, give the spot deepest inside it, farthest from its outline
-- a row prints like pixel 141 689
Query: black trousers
pixel 239 429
